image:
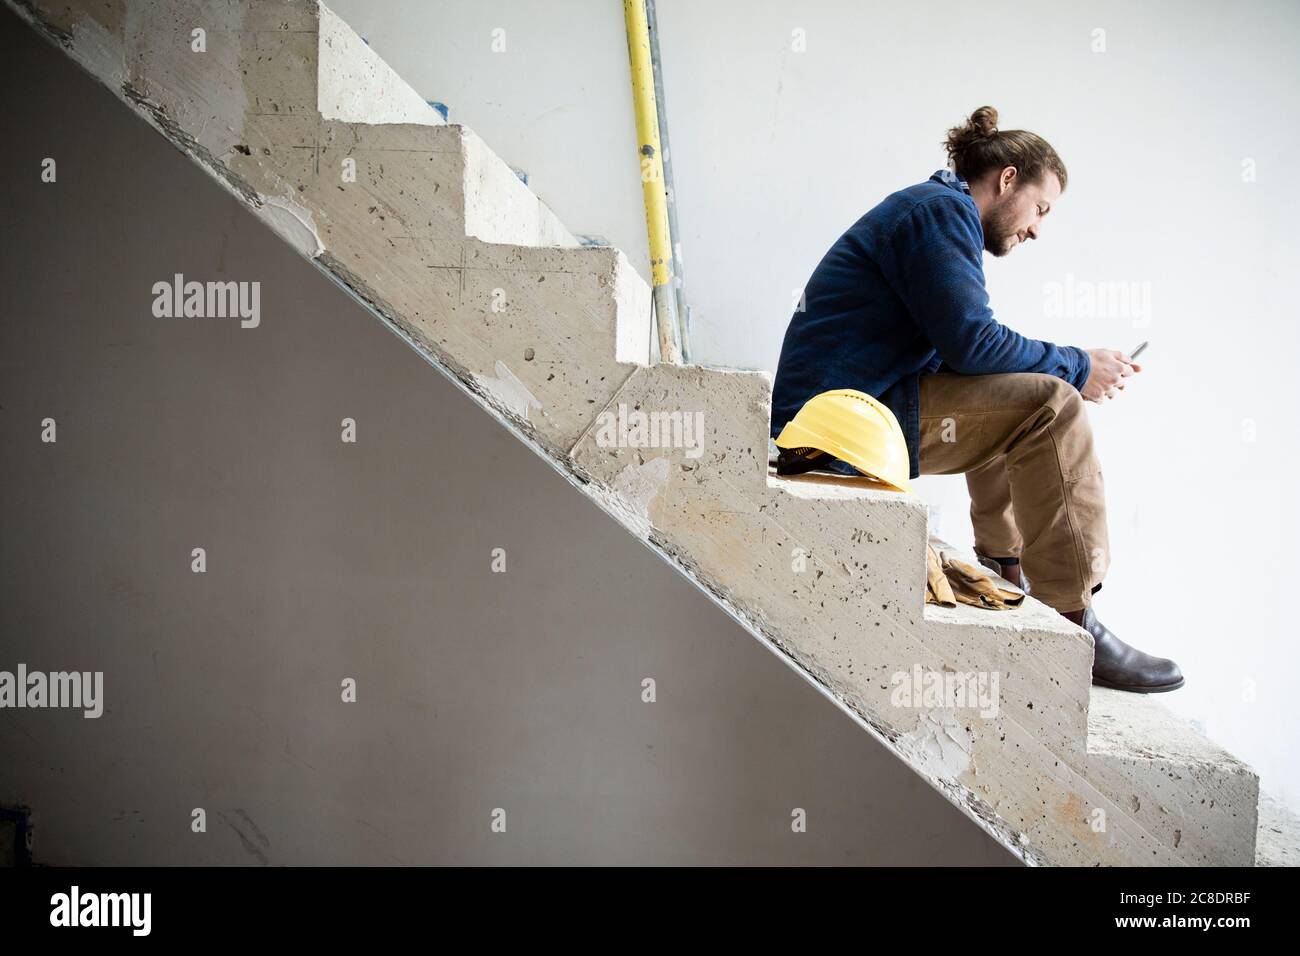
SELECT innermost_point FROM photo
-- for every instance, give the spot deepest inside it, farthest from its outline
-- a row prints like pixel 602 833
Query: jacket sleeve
pixel 939 273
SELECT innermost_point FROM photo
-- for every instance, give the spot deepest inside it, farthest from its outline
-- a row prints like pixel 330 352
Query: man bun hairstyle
pixel 979 146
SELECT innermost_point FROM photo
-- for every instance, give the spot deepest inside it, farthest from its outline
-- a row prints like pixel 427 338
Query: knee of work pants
pixel 968 420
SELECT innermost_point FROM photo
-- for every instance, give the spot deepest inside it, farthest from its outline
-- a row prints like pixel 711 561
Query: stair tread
pixel 1138 727
pixel 836 488
pixel 1031 613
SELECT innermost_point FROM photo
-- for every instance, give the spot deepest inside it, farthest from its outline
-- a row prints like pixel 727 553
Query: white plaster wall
pixel 777 152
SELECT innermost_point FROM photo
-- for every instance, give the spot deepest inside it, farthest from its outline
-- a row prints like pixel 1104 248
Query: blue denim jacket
pixel 898 295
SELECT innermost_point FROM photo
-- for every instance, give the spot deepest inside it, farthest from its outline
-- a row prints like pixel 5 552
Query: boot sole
pixel 1139 688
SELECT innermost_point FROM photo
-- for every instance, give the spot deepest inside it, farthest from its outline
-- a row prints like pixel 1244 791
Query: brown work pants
pixel 1025 445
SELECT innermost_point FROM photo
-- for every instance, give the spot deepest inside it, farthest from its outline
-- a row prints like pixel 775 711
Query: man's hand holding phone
pixel 1109 370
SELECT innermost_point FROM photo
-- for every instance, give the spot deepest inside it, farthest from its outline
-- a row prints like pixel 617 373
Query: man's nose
pixel 1032 232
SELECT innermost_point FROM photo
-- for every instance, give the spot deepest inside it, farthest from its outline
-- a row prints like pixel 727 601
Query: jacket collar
pixel 950 179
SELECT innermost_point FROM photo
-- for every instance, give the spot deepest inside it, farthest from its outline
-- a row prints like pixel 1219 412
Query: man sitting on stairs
pixel 898 309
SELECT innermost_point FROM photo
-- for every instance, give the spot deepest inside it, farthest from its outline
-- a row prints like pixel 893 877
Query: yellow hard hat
pixel 855 428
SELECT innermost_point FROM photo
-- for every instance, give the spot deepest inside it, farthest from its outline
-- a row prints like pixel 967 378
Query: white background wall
pixel 776 152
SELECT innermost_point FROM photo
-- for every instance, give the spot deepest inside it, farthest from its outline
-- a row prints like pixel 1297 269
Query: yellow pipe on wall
pixel 652 178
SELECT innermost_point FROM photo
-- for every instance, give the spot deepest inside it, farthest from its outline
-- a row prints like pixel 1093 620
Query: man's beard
pixel 999 235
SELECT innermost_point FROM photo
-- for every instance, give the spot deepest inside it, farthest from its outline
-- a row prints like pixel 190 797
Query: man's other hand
pixel 1109 370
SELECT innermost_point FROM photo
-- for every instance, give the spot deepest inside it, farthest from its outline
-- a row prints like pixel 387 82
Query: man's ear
pixel 1006 179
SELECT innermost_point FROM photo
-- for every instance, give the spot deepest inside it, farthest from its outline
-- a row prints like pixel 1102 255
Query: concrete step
pixel 353 83
pixel 1187 793
pixel 420 221
pixel 1191 795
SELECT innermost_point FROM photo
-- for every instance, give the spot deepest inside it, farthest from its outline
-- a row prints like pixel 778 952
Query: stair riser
pixel 1206 816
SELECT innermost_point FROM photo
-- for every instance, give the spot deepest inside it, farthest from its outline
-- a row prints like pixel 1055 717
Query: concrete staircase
pixel 439 238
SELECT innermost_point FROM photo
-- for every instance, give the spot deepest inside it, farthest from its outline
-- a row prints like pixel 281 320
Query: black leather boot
pixel 1116 664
